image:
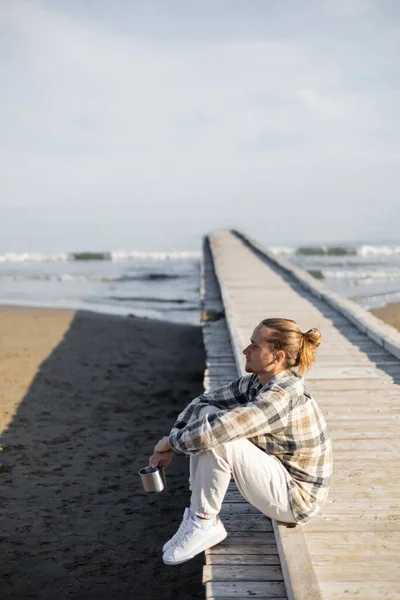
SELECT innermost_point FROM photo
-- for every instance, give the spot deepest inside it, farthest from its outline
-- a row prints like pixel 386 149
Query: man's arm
pixel 225 397
pixel 267 414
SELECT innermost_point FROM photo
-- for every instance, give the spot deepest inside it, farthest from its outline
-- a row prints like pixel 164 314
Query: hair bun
pixel 313 336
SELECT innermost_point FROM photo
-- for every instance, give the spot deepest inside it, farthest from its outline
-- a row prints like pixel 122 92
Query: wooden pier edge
pixel 297 569
pixel 384 335
pixel 298 574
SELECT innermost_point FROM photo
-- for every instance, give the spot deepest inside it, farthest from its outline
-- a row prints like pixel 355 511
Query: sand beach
pixel 390 314
pixel 84 397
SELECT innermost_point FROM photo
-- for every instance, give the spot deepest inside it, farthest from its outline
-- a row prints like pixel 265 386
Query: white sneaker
pixel 192 539
pixel 171 542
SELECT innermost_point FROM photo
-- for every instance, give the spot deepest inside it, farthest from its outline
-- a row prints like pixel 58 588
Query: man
pixel 264 429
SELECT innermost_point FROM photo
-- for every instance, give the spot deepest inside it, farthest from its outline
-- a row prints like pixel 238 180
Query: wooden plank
pixel 362 570
pixel 297 567
pixel 365 419
pixel 340 590
pixel 342 492
pixel 243 548
pixel 362 507
pixel 343 496
pixel 361 446
pixel 350 431
pixel 388 410
pixel 246 522
pixel 354 543
pixel 378 385
pixel 366 475
pixel 236 572
pixel 339 397
pixel 377 494
pixel 233 496
pixel 245 589
pixel 374 459
pixel 349 372
pixel 356 477
pixel 343 385
pixel 330 559
pixel 335 523
pixel 265 537
pixel 247 559
pixel 372 494
pixel 239 509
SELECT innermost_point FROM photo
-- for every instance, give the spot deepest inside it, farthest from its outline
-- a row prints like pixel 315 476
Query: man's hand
pixel 163 454
pixel 161 459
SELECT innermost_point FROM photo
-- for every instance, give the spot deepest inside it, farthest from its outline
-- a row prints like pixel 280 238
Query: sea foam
pixel 118 255
pixel 364 250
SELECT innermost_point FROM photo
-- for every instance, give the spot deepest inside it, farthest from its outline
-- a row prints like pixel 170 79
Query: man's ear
pixel 280 355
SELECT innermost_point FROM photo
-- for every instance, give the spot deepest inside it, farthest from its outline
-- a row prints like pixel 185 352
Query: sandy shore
pixel 83 399
pixel 390 314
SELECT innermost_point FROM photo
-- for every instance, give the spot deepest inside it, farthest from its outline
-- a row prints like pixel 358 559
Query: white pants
pixel 260 478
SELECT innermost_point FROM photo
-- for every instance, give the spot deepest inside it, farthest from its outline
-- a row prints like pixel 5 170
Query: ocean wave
pixel 90 256
pixel 282 250
pixel 31 257
pixel 377 300
pixel 313 250
pixel 361 276
pixel 127 255
pixel 325 251
pixel 364 250
pixel 81 278
pixel 175 255
pixel 371 250
pixel 115 256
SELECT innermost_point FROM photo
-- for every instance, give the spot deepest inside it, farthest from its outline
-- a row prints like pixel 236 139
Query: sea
pixel 165 285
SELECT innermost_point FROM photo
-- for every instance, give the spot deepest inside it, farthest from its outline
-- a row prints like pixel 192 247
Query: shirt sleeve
pixel 268 413
pixel 227 396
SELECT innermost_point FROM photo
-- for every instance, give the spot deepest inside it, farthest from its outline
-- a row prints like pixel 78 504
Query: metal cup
pixel 153 479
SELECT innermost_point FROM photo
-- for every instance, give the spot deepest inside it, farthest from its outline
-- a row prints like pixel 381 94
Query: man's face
pixel 259 356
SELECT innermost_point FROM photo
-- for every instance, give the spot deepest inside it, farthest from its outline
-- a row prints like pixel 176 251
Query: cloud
pixel 351 8
pixel 324 106
pixel 123 108
pixel 92 89
pixel 91 114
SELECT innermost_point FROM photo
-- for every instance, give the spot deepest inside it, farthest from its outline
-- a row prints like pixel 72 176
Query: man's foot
pixel 186 515
pixel 194 536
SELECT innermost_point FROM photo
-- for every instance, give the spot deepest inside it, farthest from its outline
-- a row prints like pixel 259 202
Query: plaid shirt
pixel 281 418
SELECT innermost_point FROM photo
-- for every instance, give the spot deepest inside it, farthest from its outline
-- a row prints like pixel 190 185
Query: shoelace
pixel 183 532
pixel 179 533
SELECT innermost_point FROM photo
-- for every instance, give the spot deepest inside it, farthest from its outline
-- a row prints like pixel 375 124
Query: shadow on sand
pixel 74 521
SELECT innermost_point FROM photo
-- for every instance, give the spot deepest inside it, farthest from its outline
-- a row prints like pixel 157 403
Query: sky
pixel 144 125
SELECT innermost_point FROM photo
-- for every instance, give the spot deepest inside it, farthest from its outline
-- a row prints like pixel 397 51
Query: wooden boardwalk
pixel 352 548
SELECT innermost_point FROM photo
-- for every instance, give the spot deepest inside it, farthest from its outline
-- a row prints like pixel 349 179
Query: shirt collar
pixel 281 376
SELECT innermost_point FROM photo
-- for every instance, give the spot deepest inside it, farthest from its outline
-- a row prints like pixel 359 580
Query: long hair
pixel 299 348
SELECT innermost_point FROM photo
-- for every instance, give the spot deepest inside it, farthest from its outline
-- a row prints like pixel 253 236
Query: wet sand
pixel 390 314
pixel 83 399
